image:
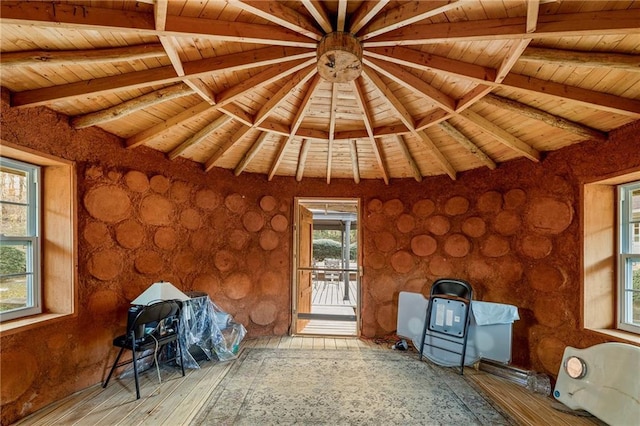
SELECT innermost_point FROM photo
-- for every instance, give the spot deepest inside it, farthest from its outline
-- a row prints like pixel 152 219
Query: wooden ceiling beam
pixel 487 76
pixel 279 14
pixel 267 76
pixel 472 97
pixel 332 128
pixel 353 151
pixel 368 124
pixel 467 144
pixel 226 145
pixel 302 158
pixel 412 82
pixel 404 149
pixel 161 75
pixel 533 10
pixel 550 119
pixel 58 15
pixel 162 127
pixel 199 136
pixel 237 113
pixel 292 84
pixel 574 58
pixel 37 58
pixel 440 158
pixel 425 61
pixel 548 26
pixel 365 13
pixel 319 13
pixel 433 118
pixel 160 8
pixel 342 15
pixel 406 14
pixel 513 53
pixel 297 120
pixel 501 135
pixel 251 153
pixel 392 100
pixel 136 104
pixel 585 97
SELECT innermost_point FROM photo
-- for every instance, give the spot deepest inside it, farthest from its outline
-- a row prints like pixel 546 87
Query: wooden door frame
pixel 294 264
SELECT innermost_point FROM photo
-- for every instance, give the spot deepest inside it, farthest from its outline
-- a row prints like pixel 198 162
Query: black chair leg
pixel 135 370
pixel 113 367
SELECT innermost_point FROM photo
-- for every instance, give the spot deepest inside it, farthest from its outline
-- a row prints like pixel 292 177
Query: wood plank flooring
pixel 177 400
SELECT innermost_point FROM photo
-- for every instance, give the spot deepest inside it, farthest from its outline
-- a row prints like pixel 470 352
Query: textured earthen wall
pixel 513 233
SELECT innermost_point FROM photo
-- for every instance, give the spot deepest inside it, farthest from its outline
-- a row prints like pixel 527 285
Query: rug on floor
pixel 343 387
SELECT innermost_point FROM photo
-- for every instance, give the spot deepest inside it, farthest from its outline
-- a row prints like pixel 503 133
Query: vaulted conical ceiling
pixel 335 89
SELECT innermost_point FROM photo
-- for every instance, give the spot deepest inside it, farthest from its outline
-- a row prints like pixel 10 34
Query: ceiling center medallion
pixel 339 57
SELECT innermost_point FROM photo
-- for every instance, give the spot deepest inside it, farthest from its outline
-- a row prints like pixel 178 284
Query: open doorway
pixel 326 285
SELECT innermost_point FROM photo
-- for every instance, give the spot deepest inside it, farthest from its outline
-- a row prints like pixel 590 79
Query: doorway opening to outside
pixel 326 284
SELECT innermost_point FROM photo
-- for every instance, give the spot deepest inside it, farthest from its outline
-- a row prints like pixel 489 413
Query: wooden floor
pixel 177 400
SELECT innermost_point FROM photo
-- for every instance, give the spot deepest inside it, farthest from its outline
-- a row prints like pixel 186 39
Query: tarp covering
pixel 207 329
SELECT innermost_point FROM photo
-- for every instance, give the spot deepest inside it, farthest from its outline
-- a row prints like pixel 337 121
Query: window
pixel 19 240
pixel 46 235
pixel 629 258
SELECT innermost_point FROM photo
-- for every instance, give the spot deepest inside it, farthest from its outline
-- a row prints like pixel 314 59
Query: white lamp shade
pixel 159 291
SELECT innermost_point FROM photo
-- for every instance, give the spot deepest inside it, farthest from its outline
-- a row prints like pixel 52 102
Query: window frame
pixel 624 317
pixel 32 239
pixel 58 238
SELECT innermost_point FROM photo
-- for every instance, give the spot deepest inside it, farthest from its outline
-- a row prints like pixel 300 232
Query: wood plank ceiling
pixel 445 86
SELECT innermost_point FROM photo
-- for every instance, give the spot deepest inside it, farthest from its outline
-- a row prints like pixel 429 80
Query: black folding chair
pixel 446 323
pixel 150 327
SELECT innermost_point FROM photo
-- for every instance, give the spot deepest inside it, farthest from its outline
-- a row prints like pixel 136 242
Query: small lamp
pixel 160 291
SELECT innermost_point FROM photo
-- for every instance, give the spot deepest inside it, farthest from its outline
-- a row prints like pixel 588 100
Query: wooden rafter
pixel 164 126
pixel 199 136
pixel 468 144
pixel 440 158
pixel 292 83
pixel 319 13
pixel 353 150
pixel 332 128
pixel 550 119
pixel 251 153
pixel 365 13
pixel 128 107
pixel 342 15
pixel 425 61
pixel 533 9
pixel 487 76
pixel 472 97
pixel 80 57
pixel 406 14
pixel 237 137
pixel 580 59
pixel 414 83
pixel 295 124
pixel 302 158
pixel 57 15
pixel 368 124
pixel 501 135
pixel 404 149
pixel 589 98
pixel 161 75
pixel 281 15
pixel 560 25
pixel 264 77
pixel 393 101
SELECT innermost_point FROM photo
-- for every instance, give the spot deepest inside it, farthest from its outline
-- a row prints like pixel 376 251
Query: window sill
pixel 24 324
pixel 620 336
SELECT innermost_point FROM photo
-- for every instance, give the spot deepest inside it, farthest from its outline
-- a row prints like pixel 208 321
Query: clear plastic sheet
pixel 207 330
